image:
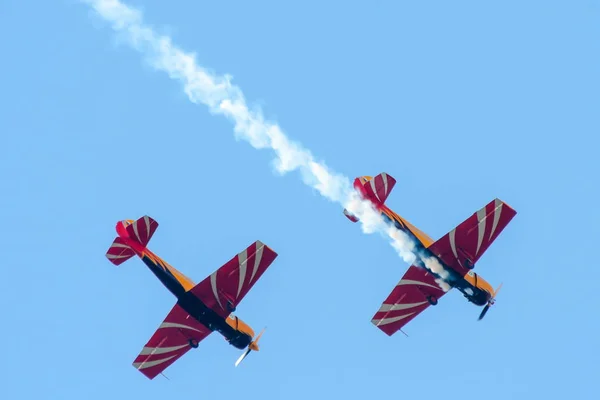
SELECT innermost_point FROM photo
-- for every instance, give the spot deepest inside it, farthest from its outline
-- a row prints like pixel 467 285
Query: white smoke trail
pixel 222 97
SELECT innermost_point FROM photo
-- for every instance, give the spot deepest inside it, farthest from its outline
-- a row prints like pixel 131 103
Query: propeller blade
pixel 485 310
pixel 490 303
pixel 259 335
pixel 497 290
pixel 244 354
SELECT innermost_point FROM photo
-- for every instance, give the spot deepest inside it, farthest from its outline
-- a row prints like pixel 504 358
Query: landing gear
pixel 432 300
pixel 193 343
pixel 468 264
pixel 230 306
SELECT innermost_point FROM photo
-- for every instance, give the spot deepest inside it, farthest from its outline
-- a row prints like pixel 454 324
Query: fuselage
pixel 235 331
pixel 477 290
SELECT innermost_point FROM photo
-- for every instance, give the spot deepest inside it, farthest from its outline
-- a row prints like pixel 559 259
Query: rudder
pixel 375 189
pixel 378 188
pixel 141 230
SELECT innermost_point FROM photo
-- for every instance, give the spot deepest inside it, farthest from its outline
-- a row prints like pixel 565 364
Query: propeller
pixel 489 304
pixel 252 346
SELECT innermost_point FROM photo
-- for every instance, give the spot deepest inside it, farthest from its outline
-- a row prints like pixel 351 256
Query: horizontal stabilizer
pixel 119 252
pixel 350 216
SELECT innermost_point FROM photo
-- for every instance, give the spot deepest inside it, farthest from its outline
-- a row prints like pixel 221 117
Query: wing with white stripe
pixel 407 300
pixel 119 252
pixel 464 245
pixel 172 339
pixel 225 288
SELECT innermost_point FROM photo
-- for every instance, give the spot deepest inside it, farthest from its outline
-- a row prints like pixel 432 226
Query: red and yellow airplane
pixel 456 252
pixel 200 309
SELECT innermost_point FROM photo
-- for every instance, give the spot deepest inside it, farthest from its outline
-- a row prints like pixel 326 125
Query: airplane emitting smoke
pixel 224 98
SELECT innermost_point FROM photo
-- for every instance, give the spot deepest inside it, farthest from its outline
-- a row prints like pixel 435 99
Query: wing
pixel 464 245
pixel 407 300
pixel 223 290
pixel 173 338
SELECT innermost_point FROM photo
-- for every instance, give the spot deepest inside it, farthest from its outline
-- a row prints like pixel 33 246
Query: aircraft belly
pixel 195 307
pixel 165 276
pixel 421 252
pixel 213 321
pixel 472 293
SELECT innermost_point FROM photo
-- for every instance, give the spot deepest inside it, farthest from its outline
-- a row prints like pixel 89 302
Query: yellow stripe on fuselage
pixel 422 236
pixel 186 282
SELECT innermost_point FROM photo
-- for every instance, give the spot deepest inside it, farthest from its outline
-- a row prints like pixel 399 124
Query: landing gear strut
pixel 468 264
pixel 230 306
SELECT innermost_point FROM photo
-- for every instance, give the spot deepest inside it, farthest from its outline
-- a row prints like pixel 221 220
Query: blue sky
pixel 460 101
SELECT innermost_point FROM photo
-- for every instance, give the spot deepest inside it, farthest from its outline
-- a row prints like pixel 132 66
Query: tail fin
pixel 376 189
pixel 140 232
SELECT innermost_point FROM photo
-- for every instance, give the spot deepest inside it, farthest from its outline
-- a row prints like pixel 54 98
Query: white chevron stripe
pixel 452 237
pixel 386 321
pixel 176 325
pixel 497 213
pixel 385 183
pixel 372 183
pixel 412 282
pixel 213 284
pixel 242 259
pixel 117 244
pixel 148 364
pixel 398 307
pixel 135 230
pixel 257 258
pixel 160 350
pixel 481 217
pixel 147 221
pixel 116 256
